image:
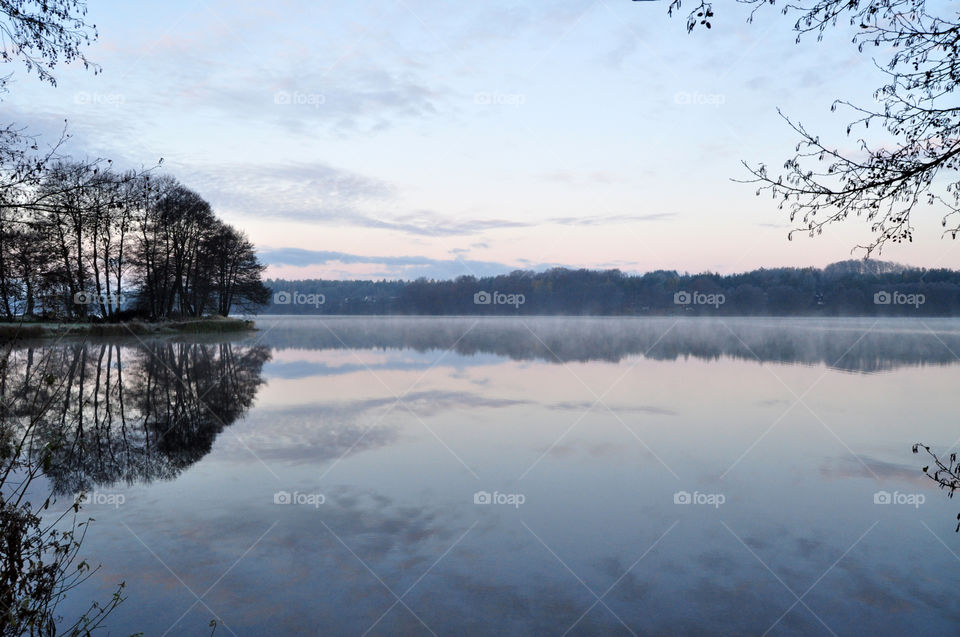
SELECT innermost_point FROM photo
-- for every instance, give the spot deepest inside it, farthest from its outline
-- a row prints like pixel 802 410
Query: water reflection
pixel 133 412
pixel 860 345
pixel 399 434
pixel 128 413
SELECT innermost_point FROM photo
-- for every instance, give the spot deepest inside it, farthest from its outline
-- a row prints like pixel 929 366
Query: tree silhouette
pixel 946 473
pixel 881 183
pixel 129 414
pixel 86 415
pixel 44 33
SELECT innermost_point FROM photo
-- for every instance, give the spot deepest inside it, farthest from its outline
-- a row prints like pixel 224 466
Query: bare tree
pixel 23 167
pixel 235 271
pixel 171 231
pixel 946 473
pixel 44 33
pixel 39 550
pixel 882 183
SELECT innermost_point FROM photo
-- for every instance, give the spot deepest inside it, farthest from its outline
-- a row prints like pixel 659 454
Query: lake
pixel 506 476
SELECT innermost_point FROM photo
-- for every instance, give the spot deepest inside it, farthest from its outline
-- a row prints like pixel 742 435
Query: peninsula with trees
pixel 83 243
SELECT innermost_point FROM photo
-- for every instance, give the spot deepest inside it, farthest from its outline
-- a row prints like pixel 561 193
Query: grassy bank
pixel 36 329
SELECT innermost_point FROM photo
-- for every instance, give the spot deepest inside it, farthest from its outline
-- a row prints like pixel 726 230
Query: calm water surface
pixel 646 476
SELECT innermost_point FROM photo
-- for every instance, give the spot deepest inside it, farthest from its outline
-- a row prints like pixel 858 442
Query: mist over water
pixel 498 476
pixel 862 345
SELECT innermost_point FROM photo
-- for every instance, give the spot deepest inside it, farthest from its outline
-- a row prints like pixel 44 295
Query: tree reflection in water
pixel 120 413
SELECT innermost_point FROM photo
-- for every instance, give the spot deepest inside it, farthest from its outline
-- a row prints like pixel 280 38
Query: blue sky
pixel 400 138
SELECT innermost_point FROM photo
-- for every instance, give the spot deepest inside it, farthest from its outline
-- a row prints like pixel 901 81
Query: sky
pixel 406 138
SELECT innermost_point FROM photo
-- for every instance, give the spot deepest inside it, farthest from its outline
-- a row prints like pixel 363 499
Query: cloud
pixel 317 192
pixel 431 224
pixel 355 78
pixel 574 177
pixel 294 189
pixel 325 431
pixel 586 404
pixel 313 103
pixel 601 220
pixel 320 193
pixel 95 134
pixel 404 266
pixel 866 467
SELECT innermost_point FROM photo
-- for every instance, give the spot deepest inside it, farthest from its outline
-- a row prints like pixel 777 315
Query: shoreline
pixel 43 329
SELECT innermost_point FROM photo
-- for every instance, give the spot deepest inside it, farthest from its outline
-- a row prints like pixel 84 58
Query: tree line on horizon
pixel 850 288
pixel 80 240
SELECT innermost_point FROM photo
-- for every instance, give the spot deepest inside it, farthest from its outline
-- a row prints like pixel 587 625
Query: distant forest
pixel 859 288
